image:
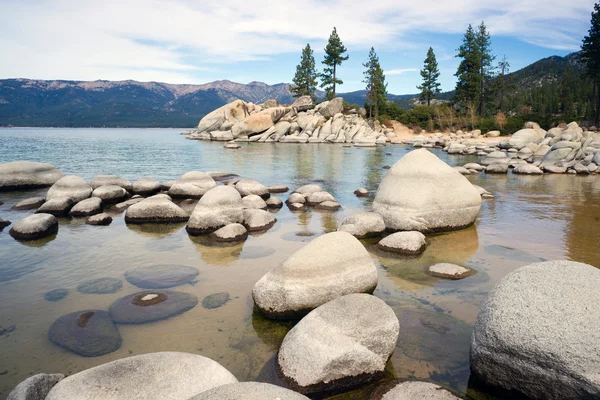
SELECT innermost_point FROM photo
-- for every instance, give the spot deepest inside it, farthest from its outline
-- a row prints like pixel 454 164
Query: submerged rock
pixel 155 210
pixel 249 391
pixel 86 207
pixel 449 271
pixel 409 243
pixel 340 345
pixel 29 204
pixel 71 186
pixel 422 193
pixel 99 219
pixel 161 276
pixel 149 306
pixel 56 294
pixel 26 174
pixel 330 266
pixel 418 390
pixel 537 333
pixel 164 375
pixel 215 300
pixel 100 286
pixel 89 333
pixel 35 387
pixel 34 227
pixel 219 207
pixel 363 225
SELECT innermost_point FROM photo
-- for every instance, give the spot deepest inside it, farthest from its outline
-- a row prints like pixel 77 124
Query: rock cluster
pixel 300 122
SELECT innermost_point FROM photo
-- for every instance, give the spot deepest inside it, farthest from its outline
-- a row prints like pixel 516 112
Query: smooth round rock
pixel 496 168
pixel 110 193
pixel 418 390
pixel 230 233
pixel 361 192
pixel 87 207
pixel 155 210
pixel 100 286
pixel 35 387
pixel 215 300
pixel 57 206
pixel 274 203
pixel 145 186
pixel 249 391
pixel 110 180
pixel 99 219
pixel 422 193
pixel 219 207
pixel 4 223
pixel 537 333
pixel 127 203
pixel 161 276
pixel 254 202
pixel 278 189
pixel 149 306
pixel 71 186
pixel 296 206
pixel 193 184
pixel 308 189
pixel 250 186
pixel 340 345
pixel 18 175
pixel 409 243
pixel 449 271
pixel 164 375
pixel 296 198
pixel 329 266
pixel 56 294
pixel 527 169
pixel 319 197
pixel 328 205
pixel 29 204
pixel 34 227
pixel 232 146
pixel 89 333
pixel 363 225
pixel 258 220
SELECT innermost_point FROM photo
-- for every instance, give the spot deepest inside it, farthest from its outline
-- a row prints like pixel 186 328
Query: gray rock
pixel 145 186
pixel 126 204
pixel 296 206
pixel 151 305
pixel 102 219
pixel 474 166
pixel 418 390
pixel 100 286
pixel 161 276
pixel 537 333
pixel 527 169
pixel 232 113
pixel 342 344
pixel 333 107
pixel 35 387
pixel 155 210
pixel 58 206
pixel 483 192
pixel 56 294
pixel 215 300
pixel 86 207
pixel 88 333
pixel 34 227
pixel 278 189
pixel 165 375
pixel 110 180
pixel 307 189
pixel 319 197
pixel 363 225
pixel 29 204
pixel 497 168
pixel 110 193
pixel 361 192
pixel 247 187
pixel 274 203
pixel 330 266
pixel 71 186
pixel 554 169
pixel 4 223
pixel 523 137
pixel 249 391
pixel 193 184
pixel 449 271
pixel 254 202
pixel 296 198
pixel 328 205
pixel 219 207
pixel 258 220
pixel 409 243
pixel 422 193
pixel 26 174
pixel 494 157
pixel 230 233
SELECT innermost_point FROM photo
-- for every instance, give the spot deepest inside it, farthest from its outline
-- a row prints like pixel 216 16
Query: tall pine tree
pixel 376 86
pixel 468 73
pixel 333 58
pixel 430 74
pixel 590 55
pixel 503 81
pixel 305 80
pixel 484 44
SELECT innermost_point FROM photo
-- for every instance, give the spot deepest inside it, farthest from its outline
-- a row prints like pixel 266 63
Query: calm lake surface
pixel 532 218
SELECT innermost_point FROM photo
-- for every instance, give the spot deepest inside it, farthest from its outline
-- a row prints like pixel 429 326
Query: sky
pixel 199 41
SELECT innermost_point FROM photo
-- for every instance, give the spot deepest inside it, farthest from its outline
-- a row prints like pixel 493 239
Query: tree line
pixel 486 94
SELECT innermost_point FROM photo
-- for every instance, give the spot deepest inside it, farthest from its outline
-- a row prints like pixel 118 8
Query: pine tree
pixel 305 80
pixel 468 73
pixel 376 86
pixel 430 74
pixel 503 81
pixel 590 56
pixel 484 43
pixel 333 57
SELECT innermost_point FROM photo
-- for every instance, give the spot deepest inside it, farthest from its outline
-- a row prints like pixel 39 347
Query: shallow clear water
pixel 531 219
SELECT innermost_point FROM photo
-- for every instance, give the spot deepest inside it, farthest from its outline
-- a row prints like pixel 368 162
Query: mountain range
pixel 59 103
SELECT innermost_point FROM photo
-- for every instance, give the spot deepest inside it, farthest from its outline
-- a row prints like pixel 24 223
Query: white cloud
pixel 400 71
pixel 157 39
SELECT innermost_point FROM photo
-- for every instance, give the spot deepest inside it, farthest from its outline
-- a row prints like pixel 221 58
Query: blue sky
pixel 185 41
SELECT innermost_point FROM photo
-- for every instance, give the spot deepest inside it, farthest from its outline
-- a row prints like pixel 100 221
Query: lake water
pixel 532 218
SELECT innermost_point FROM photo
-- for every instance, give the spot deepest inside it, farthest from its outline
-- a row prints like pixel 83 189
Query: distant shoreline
pixel 97 127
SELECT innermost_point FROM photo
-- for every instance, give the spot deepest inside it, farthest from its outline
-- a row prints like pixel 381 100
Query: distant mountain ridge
pixel 62 103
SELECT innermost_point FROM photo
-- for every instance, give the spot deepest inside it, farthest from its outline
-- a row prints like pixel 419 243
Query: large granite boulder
pixel 231 113
pixel 219 207
pixel 414 390
pixel 330 266
pixel 340 345
pixel 422 193
pixel 34 227
pixel 249 391
pixel 192 185
pixel 150 306
pixel 537 333
pixel 27 174
pixel 164 375
pixel 86 207
pixel 333 107
pixel 523 137
pixel 155 210
pixel 35 387
pixel 110 180
pixel 89 333
pixel 247 187
pixel 71 186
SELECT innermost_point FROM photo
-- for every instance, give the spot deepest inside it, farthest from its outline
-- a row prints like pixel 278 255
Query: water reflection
pixel 217 254
pixel 156 231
